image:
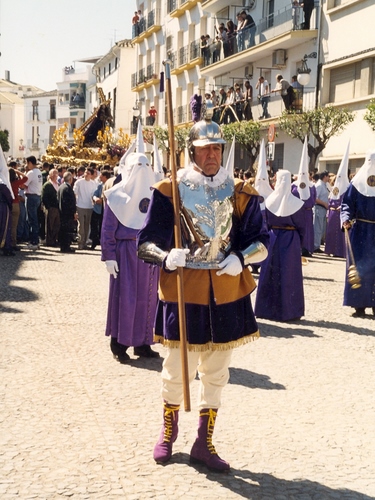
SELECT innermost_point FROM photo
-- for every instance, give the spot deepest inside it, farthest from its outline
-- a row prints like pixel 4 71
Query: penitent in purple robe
pixel 308 238
pixel 335 238
pixel 133 294
pixel 5 217
pixel 356 206
pixel 280 294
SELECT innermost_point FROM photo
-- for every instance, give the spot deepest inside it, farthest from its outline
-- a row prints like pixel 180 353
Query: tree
pixel 4 135
pixel 162 136
pixel 370 114
pixel 321 123
pixel 247 133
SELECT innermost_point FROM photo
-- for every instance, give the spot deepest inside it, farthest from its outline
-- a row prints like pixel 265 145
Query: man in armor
pixel 222 233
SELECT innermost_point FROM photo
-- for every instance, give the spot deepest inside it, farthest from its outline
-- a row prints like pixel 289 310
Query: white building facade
pixel 113 75
pixel 340 63
pixel 73 102
pixel 347 41
pixel 12 113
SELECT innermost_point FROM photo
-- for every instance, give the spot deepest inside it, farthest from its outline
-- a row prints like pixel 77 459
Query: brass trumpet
pixel 353 275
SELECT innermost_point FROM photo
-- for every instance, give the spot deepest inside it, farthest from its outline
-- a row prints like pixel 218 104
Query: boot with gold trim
pixel 203 451
pixel 168 435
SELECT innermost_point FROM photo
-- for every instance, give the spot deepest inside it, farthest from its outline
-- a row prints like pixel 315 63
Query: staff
pixel 177 237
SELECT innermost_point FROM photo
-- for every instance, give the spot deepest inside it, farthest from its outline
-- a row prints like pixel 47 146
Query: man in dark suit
pixel 308 7
pixel 68 212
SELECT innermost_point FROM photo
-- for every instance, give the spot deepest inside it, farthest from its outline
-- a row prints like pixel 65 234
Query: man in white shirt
pixel 84 189
pixel 264 96
pixel 33 190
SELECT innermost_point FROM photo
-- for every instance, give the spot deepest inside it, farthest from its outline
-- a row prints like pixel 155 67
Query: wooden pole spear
pixel 177 237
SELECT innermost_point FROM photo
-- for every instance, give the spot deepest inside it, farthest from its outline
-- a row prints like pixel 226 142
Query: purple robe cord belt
pixel 364 220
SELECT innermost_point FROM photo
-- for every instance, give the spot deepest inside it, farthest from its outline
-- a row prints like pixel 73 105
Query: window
pixel 116 63
pixel 352 81
pixel 278 161
pixel 52 110
pixel 104 72
pixel 109 68
pixel 35 110
pixel 169 44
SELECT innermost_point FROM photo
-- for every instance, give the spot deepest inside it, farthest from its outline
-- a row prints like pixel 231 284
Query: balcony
pixel 176 8
pixel 145 78
pixel 304 101
pixel 149 121
pixel 281 30
pixel 186 58
pixel 146 26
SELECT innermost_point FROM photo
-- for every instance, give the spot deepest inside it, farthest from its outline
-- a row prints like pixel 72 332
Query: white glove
pixel 231 265
pixel 112 267
pixel 176 258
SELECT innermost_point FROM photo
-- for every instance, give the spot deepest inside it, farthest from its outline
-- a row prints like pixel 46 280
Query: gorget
pixel 208 211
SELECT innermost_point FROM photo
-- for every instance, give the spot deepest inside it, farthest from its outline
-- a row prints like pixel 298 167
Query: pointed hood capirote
pixel 282 202
pixel 158 165
pixel 342 181
pixel 229 167
pixel 364 179
pixel 303 180
pixel 262 183
pixel 129 199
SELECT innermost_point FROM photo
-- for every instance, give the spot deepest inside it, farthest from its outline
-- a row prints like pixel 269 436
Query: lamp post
pixel 304 71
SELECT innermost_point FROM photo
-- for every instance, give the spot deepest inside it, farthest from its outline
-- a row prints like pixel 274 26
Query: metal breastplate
pixel 210 212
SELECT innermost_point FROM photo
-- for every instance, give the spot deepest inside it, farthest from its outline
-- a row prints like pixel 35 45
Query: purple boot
pixel 203 451
pixel 168 435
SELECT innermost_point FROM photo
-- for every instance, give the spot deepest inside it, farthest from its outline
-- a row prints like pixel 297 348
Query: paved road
pixel 298 416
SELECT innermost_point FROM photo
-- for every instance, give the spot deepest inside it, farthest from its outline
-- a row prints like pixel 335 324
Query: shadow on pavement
pixel 259 486
pixel 274 330
pixel 314 278
pixel 343 327
pixel 246 378
pixel 9 267
pixel 152 364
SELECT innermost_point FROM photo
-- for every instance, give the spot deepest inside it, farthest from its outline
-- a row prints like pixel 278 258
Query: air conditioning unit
pixel 249 71
pixel 279 58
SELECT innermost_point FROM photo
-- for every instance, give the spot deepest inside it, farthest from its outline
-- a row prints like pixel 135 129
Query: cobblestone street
pixel 298 415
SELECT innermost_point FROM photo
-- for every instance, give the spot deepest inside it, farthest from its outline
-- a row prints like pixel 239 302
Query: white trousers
pixel 213 371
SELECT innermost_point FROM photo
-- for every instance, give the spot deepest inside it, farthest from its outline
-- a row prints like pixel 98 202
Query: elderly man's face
pixel 208 158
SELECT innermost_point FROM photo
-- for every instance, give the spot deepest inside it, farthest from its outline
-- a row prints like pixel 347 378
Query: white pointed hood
pixel 262 184
pixel 364 179
pixel 121 167
pixel 4 172
pixel 129 199
pixel 229 167
pixel 282 202
pixel 303 180
pixel 342 181
pixel 158 164
pixel 140 143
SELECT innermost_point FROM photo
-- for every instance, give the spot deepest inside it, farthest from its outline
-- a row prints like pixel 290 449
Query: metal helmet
pixel 204 132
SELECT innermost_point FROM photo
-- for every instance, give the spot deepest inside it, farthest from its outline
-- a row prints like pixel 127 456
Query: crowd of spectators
pixel 55 205
pixel 235 102
pixel 235 36
pixel 229 38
